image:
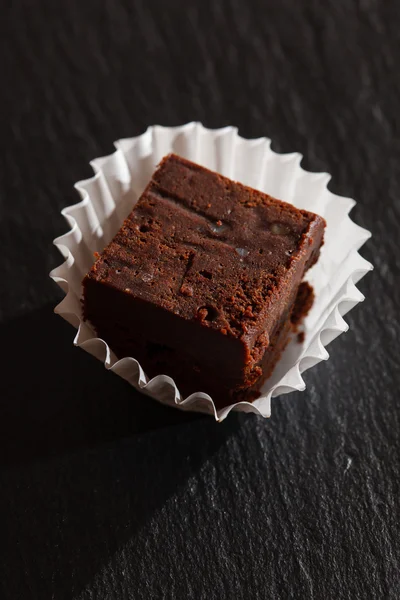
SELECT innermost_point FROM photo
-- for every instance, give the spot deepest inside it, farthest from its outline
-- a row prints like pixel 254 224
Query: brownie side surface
pixel 202 266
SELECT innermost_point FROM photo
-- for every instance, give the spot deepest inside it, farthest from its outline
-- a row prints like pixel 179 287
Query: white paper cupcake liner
pixel 120 178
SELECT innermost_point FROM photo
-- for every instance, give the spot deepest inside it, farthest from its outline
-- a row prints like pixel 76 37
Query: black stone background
pixel 105 494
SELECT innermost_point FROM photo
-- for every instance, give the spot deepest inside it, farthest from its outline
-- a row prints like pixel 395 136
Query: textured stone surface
pixel 304 505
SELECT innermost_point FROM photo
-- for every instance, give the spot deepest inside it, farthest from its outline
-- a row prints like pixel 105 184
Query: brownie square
pixel 201 281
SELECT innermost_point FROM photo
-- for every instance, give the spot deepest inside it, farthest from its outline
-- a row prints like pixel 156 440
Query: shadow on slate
pixel 81 509
pixel 57 397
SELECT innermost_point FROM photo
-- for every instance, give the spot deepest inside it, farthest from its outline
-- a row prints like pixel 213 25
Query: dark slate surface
pixel 105 494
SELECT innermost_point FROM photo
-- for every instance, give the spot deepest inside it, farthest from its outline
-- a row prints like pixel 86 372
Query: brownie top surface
pixel 204 247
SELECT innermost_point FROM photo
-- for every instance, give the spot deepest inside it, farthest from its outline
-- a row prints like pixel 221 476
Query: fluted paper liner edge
pixel 119 179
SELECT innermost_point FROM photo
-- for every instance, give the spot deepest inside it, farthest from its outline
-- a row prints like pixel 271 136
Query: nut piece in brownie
pixel 201 281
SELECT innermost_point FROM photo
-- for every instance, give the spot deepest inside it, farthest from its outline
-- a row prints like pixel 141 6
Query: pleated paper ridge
pixel 119 179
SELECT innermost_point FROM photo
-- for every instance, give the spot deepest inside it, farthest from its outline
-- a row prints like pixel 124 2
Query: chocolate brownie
pixel 201 281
